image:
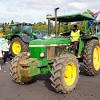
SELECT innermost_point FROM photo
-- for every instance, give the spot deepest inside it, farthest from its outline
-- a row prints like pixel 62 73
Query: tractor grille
pixel 50 53
pixel 53 52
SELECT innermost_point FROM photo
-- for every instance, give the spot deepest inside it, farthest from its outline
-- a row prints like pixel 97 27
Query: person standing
pixel 75 38
pixel 75 34
pixel 5 50
pixel 1 53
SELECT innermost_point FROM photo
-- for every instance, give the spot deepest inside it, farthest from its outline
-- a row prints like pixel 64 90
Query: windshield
pixel 27 29
pixel 40 34
pixel 15 29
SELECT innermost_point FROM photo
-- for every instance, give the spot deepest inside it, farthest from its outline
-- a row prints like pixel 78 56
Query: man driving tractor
pixel 75 36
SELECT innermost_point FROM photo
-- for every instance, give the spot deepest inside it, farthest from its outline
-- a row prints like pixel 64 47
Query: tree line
pixel 5 28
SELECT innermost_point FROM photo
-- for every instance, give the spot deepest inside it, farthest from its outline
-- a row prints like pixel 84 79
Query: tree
pixel 40 26
pixel 6 29
pixel 12 22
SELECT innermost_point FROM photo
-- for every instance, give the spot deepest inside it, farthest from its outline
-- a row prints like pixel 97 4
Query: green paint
pixel 35 47
pixel 45 70
pixel 38 46
pixel 81 46
pixel 51 41
pixel 85 27
pixel 73 17
pixel 7 36
pixel 35 53
pixel 34 70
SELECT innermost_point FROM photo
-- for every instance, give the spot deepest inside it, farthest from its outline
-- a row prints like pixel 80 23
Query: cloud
pixel 36 10
pixel 78 5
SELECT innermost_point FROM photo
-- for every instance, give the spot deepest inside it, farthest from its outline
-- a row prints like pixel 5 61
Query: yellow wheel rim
pixel 16 47
pixel 70 74
pixel 96 58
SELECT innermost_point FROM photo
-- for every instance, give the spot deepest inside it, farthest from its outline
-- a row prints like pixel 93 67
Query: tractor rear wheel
pixel 91 58
pixel 65 73
pixel 15 69
pixel 18 46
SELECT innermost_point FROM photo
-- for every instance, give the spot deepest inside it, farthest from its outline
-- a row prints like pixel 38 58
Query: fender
pixel 97 36
pixel 25 38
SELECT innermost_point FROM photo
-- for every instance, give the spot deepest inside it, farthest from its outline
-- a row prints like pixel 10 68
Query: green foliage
pixel 6 29
pixel 65 27
pixel 44 27
pixel 40 26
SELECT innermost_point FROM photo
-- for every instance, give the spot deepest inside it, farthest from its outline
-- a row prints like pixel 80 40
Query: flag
pixel 94 15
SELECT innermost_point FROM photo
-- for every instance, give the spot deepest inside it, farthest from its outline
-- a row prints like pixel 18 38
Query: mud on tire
pixel 15 73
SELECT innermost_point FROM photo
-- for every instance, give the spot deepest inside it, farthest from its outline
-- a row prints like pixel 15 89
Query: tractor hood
pixel 49 42
pixel 39 46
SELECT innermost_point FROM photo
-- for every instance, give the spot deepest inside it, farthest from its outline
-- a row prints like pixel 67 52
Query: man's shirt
pixel 75 36
pixel 4 44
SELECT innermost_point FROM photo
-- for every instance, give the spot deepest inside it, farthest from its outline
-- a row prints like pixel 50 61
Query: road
pixel 88 88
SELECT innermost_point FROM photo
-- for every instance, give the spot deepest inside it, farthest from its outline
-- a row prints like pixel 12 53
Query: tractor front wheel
pixel 91 57
pixel 19 73
pixel 65 73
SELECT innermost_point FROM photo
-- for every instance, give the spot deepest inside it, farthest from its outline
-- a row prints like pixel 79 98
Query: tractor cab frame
pixel 21 27
pixel 86 33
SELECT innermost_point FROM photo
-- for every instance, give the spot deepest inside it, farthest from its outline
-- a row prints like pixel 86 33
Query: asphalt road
pixel 88 88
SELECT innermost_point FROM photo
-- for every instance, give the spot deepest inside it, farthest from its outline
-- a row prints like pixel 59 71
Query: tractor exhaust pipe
pixel 56 20
pixel 49 24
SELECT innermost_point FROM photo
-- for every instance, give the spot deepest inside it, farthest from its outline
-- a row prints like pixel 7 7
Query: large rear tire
pixel 91 57
pixel 15 69
pixel 18 46
pixel 65 73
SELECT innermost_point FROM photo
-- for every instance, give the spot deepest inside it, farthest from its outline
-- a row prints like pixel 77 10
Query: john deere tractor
pixel 53 56
pixel 21 34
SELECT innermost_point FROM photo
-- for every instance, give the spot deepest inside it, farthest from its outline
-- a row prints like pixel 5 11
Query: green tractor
pixel 54 57
pixel 21 34
pixel 20 37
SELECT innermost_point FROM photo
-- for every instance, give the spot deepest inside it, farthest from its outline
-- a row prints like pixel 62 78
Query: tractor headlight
pixel 42 54
pixel 28 54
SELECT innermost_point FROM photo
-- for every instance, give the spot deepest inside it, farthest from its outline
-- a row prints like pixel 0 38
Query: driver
pixel 75 36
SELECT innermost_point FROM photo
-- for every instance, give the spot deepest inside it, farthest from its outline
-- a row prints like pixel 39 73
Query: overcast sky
pixel 36 10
